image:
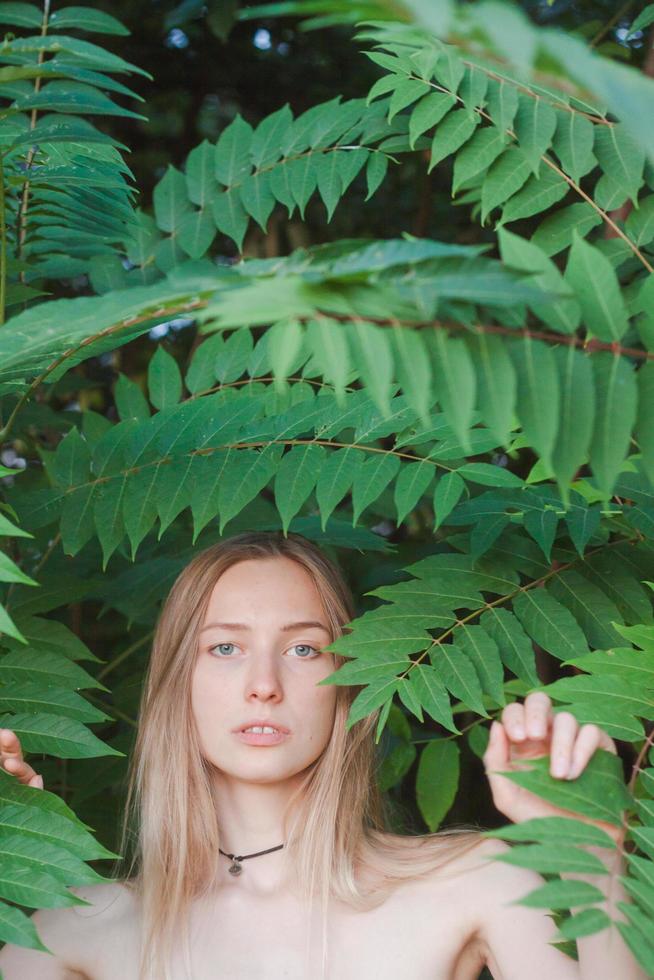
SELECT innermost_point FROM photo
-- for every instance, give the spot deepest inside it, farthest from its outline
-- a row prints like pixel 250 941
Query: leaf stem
pixel 3 244
pixel 21 218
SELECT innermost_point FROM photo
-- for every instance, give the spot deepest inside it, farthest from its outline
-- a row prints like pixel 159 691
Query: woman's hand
pixel 11 760
pixel 529 730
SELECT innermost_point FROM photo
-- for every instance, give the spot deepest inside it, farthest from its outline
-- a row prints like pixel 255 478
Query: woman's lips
pixel 262 738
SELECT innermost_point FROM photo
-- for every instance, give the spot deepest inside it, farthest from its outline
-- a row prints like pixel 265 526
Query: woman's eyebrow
pixel 302 624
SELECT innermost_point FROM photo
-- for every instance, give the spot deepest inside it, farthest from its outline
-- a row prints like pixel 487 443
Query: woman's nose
pixel 263 678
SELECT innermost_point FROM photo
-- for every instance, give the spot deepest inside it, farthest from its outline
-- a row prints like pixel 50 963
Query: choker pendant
pixel 235 868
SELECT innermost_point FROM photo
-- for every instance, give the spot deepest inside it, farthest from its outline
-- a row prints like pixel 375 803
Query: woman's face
pixel 259 660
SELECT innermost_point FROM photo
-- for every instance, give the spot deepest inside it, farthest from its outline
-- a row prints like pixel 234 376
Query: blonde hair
pixel 336 821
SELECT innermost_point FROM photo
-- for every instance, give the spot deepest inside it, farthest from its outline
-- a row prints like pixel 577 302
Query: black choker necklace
pixel 235 868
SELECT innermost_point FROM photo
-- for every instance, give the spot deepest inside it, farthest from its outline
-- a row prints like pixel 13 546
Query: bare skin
pixel 428 930
pixel 443 927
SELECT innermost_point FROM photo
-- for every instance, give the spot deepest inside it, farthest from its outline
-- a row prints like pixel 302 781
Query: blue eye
pixel 218 645
pixel 306 647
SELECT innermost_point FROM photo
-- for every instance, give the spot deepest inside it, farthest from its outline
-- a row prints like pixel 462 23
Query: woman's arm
pixel 56 929
pixel 605 953
pixel 517 939
pixel 527 731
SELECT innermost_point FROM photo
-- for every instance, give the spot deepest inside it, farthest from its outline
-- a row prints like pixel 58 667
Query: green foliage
pixel 65 194
pixel 493 410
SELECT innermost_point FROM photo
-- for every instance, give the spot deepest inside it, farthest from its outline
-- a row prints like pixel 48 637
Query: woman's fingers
pixel 11 759
pixel 589 738
pixel 529 720
pixel 538 714
pixel 564 732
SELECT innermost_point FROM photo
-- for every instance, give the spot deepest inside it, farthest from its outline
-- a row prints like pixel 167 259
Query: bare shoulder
pixel 108 901
pixel 68 934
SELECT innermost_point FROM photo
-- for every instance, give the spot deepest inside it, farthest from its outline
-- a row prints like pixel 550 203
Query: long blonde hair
pixel 336 821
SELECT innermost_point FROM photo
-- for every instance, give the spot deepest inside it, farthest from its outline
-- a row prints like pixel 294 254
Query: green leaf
pixel 10 572
pixel 455 381
pixel 453 132
pixel 556 231
pixel 472 89
pixel 196 233
pixel 427 113
pixel 164 379
pixel 477 155
pixel 54 670
pixel 449 68
pixel 232 156
pixel 336 477
pixel 596 286
pixel 621 157
pixel 85 19
pixel 411 485
pixel 257 197
pixel 562 312
pixel 577 414
pixel 496 383
pixel 16 927
pixel 639 225
pixel 295 478
pixel 483 652
pixel 372 697
pixel 645 420
pixel 303 179
pixel 268 137
pixel 330 185
pixel 550 624
pixel 406 91
pixel 644 19
pixel 72 460
pixel 375 171
pixel 459 676
pixel 446 496
pixel 537 195
pixel 170 199
pixel 615 414
pixel 573 143
pixel 232 359
pixel 599 792
pixel 489 475
pixel 431 694
pixel 584 923
pixel 564 830
pixel 130 400
pixel 582 523
pixel 515 647
pixel 561 895
pixel 249 472
pixel 590 606
pixel 372 353
pixel 538 394
pixel 502 102
pixel 605 690
pixel 553 859
pixel 413 368
pixel 56 735
pixel 534 125
pixel 31 696
pixel 230 215
pixel 437 780
pixel 327 341
pixel 371 478
pixel 21 15
pixel 200 178
pixel 504 178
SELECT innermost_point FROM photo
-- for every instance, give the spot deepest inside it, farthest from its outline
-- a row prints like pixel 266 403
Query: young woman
pixel 265 855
